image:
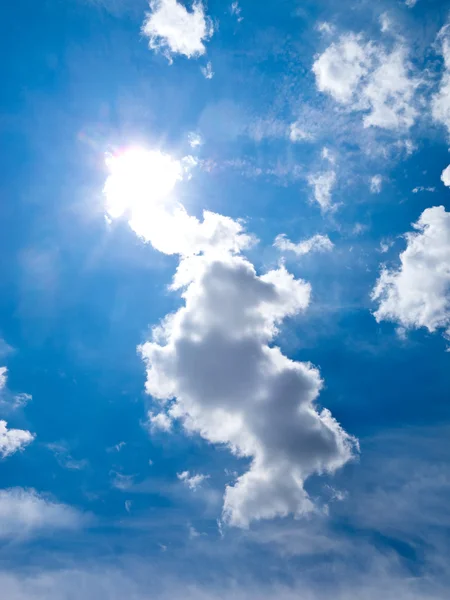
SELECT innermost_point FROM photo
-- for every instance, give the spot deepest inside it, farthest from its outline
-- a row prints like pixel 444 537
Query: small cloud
pixel 122 482
pixel 318 243
pixel 325 27
pixel 385 246
pixel 192 482
pixel 299 134
pixel 323 184
pixel 195 140
pixel 376 183
pixel 128 505
pixel 3 377
pixel 236 10
pixel 421 188
pixel 207 71
pixel 385 22
pixel 173 29
pixel 13 440
pixel 159 422
pixel 411 3
pixel 64 458
pixel 359 228
pixel 117 447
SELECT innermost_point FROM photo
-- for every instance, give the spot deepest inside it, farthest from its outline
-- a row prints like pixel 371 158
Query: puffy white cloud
pixel 417 294
pixel 366 77
pixel 173 29
pixel 13 440
pixel 376 183
pixel 236 10
pixel 411 3
pixel 445 177
pixel 343 65
pixel 323 184
pixel 213 365
pixel 318 243
pixel 193 482
pixel 25 512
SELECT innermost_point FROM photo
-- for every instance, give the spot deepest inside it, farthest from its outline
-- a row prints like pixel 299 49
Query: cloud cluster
pixel 366 77
pixel 417 294
pixel 173 29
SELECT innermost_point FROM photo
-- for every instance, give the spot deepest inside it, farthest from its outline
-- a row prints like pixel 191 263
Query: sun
pixel 140 181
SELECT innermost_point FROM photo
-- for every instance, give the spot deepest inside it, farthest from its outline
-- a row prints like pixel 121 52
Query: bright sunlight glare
pixel 139 180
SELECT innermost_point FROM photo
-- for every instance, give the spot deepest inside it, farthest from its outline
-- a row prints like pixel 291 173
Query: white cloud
pixel 3 377
pixel 195 140
pixel 122 482
pixel 213 365
pixel 417 294
pixel 25 512
pixel 440 102
pixel 13 440
pixel 325 27
pixel 323 184
pixel 160 422
pixel 318 243
pixel 421 188
pixel 445 177
pixel 141 187
pixel 207 71
pixel 193 482
pixel 236 10
pixel 376 183
pixel 366 77
pixel 411 3
pixel 299 134
pixel 173 29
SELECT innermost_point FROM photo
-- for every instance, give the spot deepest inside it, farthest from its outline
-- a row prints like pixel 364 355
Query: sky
pixel 225 300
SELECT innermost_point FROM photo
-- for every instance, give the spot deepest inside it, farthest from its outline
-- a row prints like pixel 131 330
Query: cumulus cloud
pixel 445 177
pixel 13 440
pixel 323 184
pixel 317 243
pixel 213 364
pixel 411 3
pixel 417 294
pixel 376 183
pixel 174 29
pixel 25 512
pixel 366 77
pixel 193 482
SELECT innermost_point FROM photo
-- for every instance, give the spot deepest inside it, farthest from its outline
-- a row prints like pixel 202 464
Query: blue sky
pixel 225 300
